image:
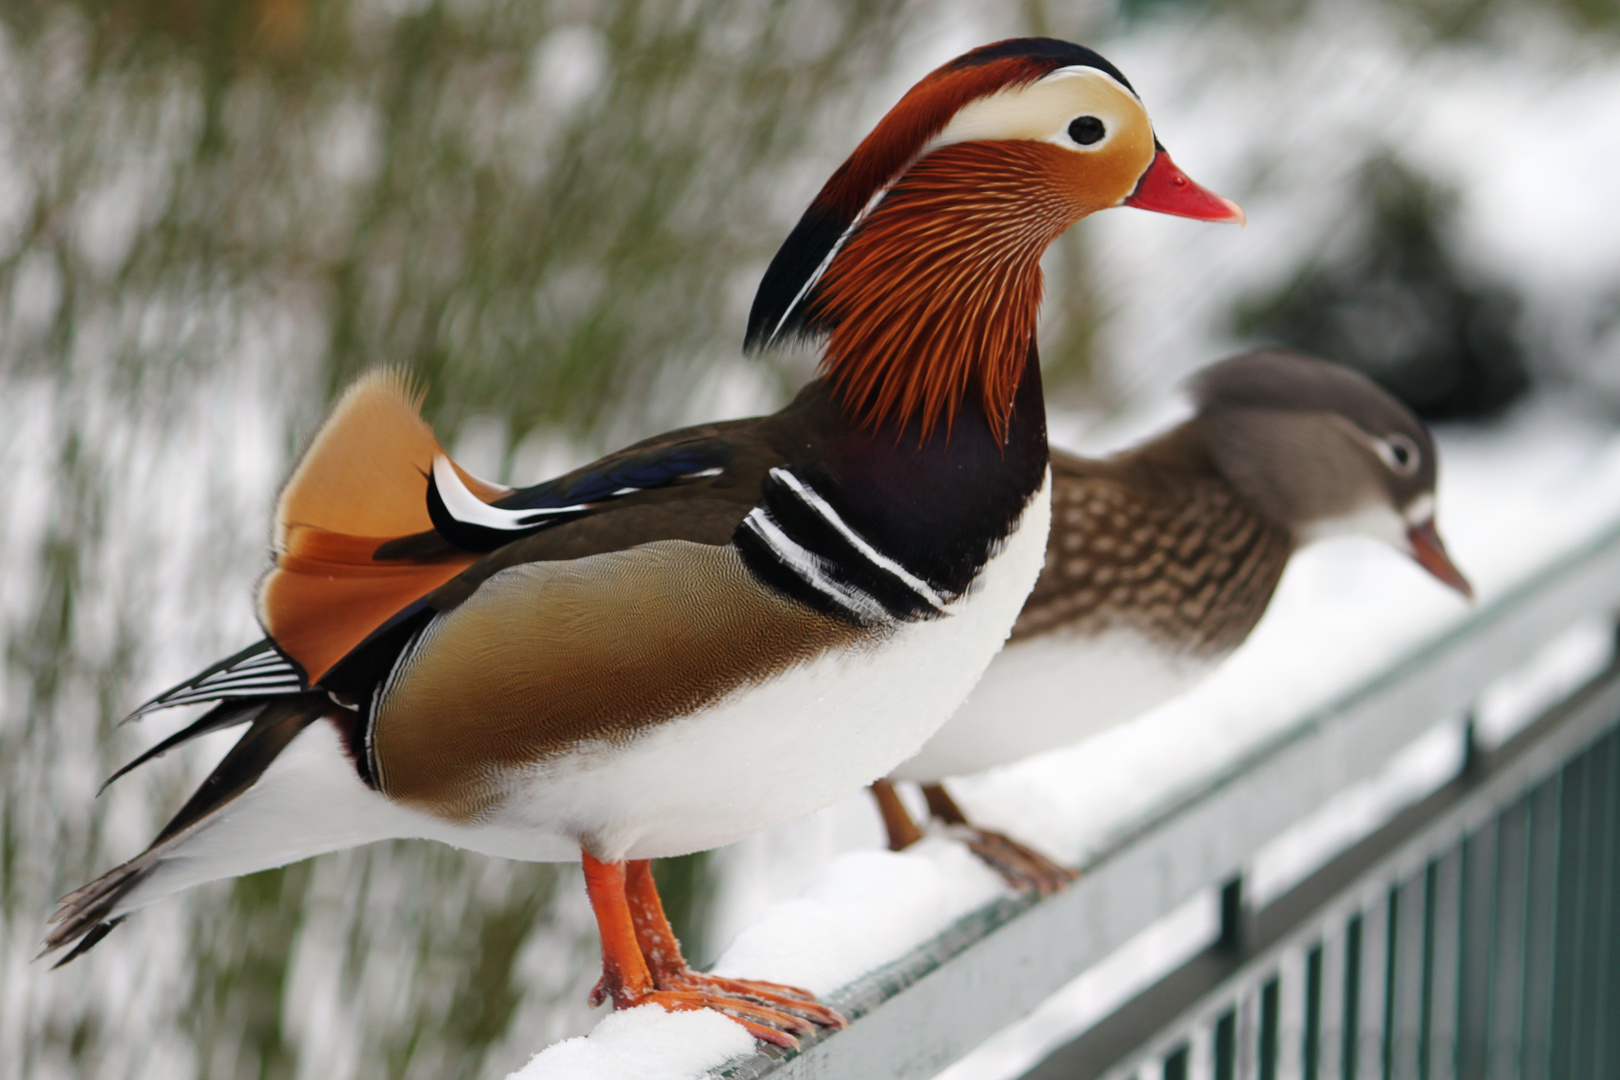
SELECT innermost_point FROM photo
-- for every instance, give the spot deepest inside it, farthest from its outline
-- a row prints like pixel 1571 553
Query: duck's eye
pixel 1399 453
pixel 1087 130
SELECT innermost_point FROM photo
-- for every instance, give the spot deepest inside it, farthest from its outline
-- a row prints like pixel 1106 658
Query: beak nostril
pixel 1167 190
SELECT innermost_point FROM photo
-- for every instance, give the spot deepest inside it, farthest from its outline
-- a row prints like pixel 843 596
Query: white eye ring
pixel 1399 453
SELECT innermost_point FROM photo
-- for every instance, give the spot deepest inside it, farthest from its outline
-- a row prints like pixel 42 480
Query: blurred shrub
pixel 1392 299
pixel 539 207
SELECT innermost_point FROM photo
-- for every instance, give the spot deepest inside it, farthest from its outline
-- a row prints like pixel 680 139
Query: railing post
pixel 1233 916
pixel 1471 748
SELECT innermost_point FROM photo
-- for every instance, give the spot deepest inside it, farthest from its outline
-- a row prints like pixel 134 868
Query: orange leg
pixel 1020 865
pixel 903 832
pixel 628 981
pixel 669 968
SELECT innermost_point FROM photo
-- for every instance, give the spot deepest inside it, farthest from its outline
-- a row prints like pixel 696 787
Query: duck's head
pixel 1325 452
pixel 919 259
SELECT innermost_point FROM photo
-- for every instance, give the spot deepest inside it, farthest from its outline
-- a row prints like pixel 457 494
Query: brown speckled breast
pixel 1158 543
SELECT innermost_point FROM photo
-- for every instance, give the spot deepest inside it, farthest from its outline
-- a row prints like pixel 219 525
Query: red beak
pixel 1430 553
pixel 1167 190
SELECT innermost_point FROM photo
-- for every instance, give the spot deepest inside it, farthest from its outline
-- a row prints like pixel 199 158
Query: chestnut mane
pixel 937 292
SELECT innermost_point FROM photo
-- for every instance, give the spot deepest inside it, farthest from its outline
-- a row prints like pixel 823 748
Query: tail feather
pixel 359 489
pixel 257 671
pixel 226 714
pixel 87 914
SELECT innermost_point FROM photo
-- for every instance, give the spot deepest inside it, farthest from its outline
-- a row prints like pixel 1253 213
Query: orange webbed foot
pixel 1020 865
pixel 775 1026
pixel 788 999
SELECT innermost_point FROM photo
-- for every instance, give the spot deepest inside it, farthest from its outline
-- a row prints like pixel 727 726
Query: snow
pixel 641 1044
pixel 866 909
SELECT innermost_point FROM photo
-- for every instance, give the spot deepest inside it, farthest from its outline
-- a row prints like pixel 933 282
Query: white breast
pixel 778 751
pixel 1052 691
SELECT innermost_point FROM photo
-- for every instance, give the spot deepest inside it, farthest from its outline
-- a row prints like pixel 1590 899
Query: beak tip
pixel 1430 553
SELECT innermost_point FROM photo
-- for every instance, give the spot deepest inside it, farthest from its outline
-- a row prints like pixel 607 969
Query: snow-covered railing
pixel 919 1014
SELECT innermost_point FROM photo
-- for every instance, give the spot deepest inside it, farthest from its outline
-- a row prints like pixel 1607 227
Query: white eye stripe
pixel 1081 69
pixel 1042 111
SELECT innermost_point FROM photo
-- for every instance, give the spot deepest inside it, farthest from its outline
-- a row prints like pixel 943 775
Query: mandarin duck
pixel 1162 558
pixel 710 632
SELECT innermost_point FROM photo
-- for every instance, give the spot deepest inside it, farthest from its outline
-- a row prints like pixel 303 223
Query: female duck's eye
pixel 1087 130
pixel 1399 453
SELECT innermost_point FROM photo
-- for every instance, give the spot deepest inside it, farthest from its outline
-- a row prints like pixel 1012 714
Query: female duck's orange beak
pixel 1167 190
pixel 1430 553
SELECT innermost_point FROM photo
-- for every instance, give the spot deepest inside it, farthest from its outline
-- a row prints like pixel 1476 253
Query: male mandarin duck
pixel 712 631
pixel 1162 558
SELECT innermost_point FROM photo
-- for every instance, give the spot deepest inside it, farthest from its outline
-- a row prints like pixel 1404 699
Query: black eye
pixel 1398 452
pixel 1087 130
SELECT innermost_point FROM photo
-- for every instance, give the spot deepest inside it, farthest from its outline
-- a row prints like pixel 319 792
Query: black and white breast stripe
pixel 797 542
pixel 256 671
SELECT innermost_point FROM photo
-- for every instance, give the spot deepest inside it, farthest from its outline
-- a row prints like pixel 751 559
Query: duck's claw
pixel 764 1023
pixel 788 999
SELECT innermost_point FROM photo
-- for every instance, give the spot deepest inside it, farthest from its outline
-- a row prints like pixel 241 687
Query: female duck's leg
pixel 627 980
pixel 903 832
pixel 668 966
pixel 1021 866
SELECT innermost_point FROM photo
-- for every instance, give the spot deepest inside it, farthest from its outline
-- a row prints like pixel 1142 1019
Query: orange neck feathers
pixel 935 296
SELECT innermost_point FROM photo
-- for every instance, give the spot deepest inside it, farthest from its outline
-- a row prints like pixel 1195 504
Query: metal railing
pixel 1473 936
pixel 1244 1008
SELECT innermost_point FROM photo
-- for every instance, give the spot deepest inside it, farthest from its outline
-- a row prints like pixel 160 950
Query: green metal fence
pixel 1473 937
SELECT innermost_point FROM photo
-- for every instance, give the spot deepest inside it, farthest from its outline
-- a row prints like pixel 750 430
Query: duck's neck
pixel 932 302
pixel 942 502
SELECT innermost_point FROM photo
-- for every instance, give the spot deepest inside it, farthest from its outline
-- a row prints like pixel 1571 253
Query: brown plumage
pixel 552 655
pixel 1158 543
pixel 357 486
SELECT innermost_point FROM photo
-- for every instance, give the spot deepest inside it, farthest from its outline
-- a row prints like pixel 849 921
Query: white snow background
pixel 1530 139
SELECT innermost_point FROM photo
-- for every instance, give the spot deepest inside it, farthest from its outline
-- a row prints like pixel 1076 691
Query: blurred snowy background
pixel 214 212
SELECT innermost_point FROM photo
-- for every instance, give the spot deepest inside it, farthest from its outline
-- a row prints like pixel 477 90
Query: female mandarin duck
pixel 1161 560
pixel 710 632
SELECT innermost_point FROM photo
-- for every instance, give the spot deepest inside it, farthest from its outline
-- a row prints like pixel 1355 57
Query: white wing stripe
pixel 468 508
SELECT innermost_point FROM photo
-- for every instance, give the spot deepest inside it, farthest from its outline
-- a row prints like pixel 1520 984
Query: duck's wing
pixel 376 516
pixel 1176 555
